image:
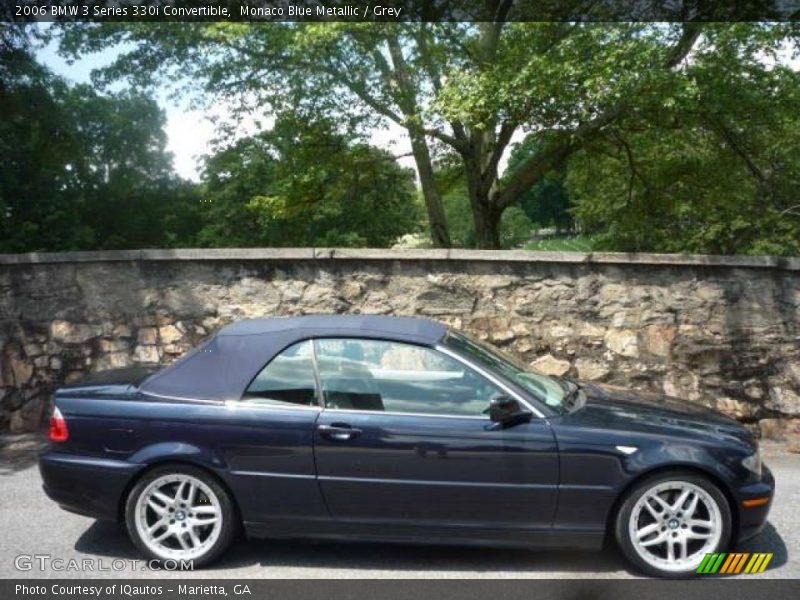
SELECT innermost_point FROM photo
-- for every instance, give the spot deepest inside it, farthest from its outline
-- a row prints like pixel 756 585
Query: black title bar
pixel 185 588
pixel 400 10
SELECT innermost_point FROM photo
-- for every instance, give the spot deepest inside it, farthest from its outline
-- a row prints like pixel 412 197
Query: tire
pixel 645 535
pixel 190 517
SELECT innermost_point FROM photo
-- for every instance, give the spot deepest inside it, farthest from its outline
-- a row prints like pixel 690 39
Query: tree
pixel 461 87
pixel 547 202
pixel 82 170
pixel 303 183
pixel 707 171
pixel 132 198
pixel 38 194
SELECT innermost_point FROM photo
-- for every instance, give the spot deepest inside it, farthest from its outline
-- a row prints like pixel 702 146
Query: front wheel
pixel 668 523
pixel 180 513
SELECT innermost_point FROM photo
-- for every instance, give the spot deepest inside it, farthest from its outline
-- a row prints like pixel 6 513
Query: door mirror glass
pixel 507 411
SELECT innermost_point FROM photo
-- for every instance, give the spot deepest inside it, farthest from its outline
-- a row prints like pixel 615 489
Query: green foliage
pixel 546 203
pixel 666 136
pixel 304 184
pixel 709 170
pixel 515 226
pixel 91 171
pixel 465 88
pixel 83 170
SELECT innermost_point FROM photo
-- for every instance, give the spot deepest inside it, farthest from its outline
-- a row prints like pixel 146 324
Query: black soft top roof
pixel 222 367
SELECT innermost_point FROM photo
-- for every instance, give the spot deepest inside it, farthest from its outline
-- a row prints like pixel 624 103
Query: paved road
pixel 32 524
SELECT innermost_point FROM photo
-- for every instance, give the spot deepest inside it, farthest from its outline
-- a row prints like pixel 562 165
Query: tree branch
pixel 684 45
pixel 450 140
pixel 363 95
pixel 503 138
pixel 537 165
pixel 421 36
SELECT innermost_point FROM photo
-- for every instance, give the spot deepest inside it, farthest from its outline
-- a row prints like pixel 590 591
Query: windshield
pixel 548 390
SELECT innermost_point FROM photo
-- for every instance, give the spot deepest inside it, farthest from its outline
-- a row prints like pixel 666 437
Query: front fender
pixel 595 476
pixel 708 459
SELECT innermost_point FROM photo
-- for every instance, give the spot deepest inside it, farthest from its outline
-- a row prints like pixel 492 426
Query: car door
pixel 403 440
pixel 266 439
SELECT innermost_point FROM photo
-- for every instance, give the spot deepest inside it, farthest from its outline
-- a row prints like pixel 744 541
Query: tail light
pixel 58 427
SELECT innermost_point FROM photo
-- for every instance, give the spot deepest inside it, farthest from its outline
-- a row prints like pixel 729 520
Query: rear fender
pixel 178 451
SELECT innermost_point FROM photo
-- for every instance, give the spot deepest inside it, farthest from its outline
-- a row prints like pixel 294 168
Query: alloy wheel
pixel 674 524
pixel 178 517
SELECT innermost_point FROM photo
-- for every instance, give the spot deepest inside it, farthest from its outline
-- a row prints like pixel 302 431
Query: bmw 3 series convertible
pixel 396 429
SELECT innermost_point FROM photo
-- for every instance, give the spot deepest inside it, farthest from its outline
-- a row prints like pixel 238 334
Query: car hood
pixel 658 413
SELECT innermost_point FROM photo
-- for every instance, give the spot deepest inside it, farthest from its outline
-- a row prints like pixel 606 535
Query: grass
pixel 576 243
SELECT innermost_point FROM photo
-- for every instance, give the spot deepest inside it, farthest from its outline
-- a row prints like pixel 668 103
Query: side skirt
pixel 583 540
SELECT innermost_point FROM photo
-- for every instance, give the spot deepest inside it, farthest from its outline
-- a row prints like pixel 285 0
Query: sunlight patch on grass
pixel 576 243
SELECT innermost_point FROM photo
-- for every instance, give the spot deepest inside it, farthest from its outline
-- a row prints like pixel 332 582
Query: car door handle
pixel 338 432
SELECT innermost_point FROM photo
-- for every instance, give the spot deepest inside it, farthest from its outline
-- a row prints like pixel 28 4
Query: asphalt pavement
pixel 32 527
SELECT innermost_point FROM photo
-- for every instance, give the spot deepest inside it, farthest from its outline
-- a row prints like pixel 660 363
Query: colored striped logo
pixel 732 563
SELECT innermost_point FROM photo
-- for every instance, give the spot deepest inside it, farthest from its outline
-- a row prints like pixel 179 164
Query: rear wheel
pixel 668 523
pixel 178 512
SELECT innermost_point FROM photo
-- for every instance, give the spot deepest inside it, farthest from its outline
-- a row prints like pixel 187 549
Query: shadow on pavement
pixel 406 557
pixel 110 540
pixel 769 540
pixel 18 452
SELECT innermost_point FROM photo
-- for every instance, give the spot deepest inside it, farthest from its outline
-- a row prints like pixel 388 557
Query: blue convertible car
pixel 396 429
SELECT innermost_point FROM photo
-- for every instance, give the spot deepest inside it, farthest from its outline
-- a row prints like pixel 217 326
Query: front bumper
pixel 752 520
pixel 86 485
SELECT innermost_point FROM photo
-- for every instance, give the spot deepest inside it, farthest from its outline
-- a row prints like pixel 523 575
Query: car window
pixel 386 376
pixel 287 379
pixel 546 389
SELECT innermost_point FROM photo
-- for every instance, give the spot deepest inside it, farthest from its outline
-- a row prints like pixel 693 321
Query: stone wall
pixel 722 332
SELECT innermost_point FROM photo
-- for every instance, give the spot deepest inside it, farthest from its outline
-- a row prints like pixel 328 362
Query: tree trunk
pixel 407 101
pixel 487 229
pixel 485 216
pixel 433 201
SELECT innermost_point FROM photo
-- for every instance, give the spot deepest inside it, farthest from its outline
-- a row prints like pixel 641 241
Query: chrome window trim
pixel 358 411
pixel 439 348
pixel 181 398
pixel 491 377
pixel 481 371
pixel 253 403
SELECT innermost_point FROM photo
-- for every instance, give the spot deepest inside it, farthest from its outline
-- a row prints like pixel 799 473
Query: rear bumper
pixel 86 485
pixel 752 520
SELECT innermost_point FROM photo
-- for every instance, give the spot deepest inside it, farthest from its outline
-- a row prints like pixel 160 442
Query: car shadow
pixel 20 451
pixel 110 540
pixel 371 557
pixel 769 540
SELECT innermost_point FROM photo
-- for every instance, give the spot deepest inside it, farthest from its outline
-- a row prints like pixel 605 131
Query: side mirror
pixel 506 411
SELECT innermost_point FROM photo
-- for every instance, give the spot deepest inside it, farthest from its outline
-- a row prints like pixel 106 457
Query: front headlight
pixel 753 463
